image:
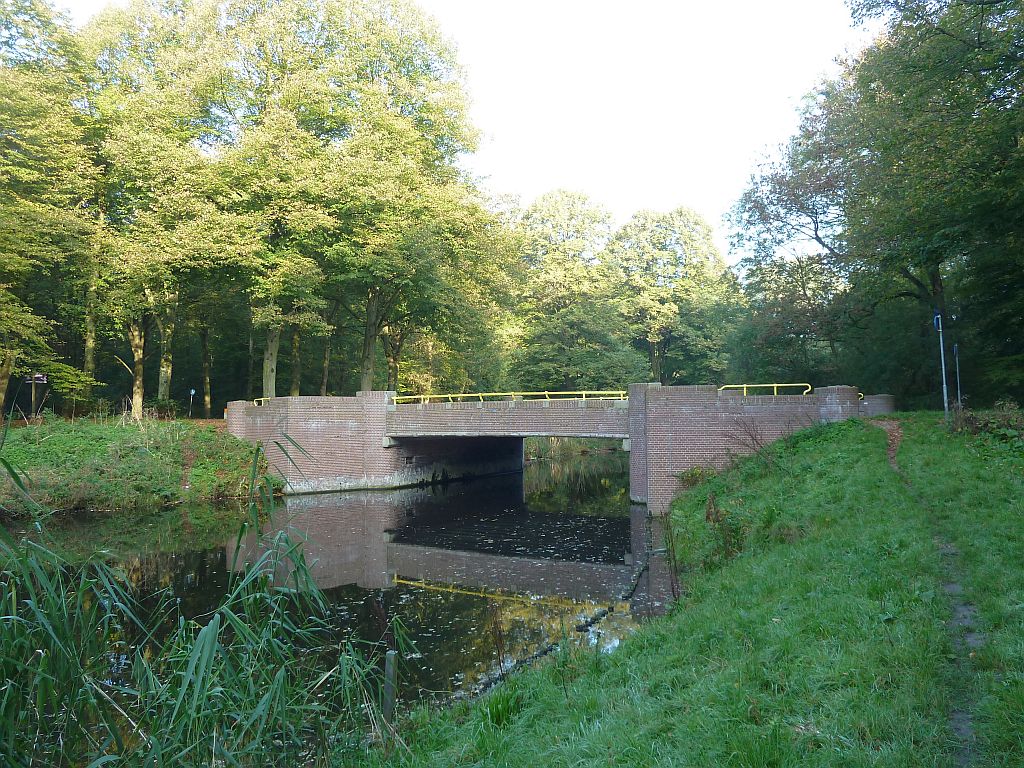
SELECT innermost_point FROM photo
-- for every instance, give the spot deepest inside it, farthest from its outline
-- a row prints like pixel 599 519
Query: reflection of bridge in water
pixel 479 537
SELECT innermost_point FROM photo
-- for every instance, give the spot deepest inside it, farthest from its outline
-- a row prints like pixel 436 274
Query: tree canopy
pixel 248 198
pixel 899 197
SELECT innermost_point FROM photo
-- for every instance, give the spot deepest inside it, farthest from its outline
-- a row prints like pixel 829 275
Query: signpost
pixel 35 378
pixel 191 394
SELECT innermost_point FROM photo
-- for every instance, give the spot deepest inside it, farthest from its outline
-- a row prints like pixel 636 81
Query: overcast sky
pixel 642 104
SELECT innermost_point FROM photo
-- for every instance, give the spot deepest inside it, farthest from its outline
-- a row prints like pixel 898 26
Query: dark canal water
pixel 481 574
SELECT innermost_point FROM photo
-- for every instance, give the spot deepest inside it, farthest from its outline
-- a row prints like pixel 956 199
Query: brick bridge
pixel 368 441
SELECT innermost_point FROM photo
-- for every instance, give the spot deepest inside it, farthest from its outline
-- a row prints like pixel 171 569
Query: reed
pixel 263 679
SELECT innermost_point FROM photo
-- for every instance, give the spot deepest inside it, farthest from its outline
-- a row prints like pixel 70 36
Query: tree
pixel 571 336
pixel 666 270
pixel 45 173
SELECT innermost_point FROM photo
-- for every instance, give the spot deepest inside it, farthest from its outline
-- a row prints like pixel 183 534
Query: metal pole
pixel 956 357
pixel 942 359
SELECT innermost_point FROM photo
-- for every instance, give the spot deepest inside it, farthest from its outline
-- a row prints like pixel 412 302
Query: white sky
pixel 642 104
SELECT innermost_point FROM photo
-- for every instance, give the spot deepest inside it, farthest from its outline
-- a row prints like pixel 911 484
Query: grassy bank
pixel 814 629
pixel 104 465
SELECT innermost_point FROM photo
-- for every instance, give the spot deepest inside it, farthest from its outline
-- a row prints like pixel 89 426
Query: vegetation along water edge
pixel 850 597
pixel 110 467
pixel 817 625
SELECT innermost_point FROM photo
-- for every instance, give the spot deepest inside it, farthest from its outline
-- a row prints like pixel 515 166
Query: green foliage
pixel 104 464
pixel 1005 424
pixel 602 309
pixel 901 187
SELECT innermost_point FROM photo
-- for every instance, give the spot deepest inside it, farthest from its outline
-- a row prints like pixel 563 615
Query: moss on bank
pixel 105 465
pixel 813 630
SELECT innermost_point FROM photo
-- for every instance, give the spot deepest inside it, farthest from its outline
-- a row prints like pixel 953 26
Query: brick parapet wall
pixel 520 418
pixel 877 405
pixel 698 426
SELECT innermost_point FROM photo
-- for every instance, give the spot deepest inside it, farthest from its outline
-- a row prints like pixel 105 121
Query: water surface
pixel 480 574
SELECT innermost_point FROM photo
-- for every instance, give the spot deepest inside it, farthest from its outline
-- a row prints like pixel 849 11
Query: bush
pixel 1004 423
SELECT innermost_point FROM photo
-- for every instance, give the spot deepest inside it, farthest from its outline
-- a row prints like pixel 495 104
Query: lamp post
pixel 937 321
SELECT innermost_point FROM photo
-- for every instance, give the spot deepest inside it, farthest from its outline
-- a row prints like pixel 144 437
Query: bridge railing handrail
pixel 807 388
pixel 458 397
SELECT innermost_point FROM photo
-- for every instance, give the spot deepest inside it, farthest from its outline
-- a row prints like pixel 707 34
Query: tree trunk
pixel 656 362
pixel 326 370
pixel 6 369
pixel 89 358
pixel 294 391
pixel 137 339
pixel 250 375
pixel 393 343
pixel 270 362
pixel 165 325
pixel 204 337
pixel 370 332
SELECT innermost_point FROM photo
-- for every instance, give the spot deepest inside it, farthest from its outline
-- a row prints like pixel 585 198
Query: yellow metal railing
pixel 774 387
pixel 259 401
pixel 583 394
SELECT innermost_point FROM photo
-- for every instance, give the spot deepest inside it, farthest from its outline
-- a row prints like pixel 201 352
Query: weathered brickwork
pixel 638 442
pixel 521 418
pixel 876 405
pixel 366 441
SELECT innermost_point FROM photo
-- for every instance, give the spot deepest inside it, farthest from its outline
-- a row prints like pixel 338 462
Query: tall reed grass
pixel 89 680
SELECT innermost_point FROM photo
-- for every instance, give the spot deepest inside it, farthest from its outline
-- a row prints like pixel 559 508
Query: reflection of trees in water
pixel 579 484
pixel 457 637
pixel 195 581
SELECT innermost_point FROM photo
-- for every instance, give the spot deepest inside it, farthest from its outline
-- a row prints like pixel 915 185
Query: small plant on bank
pixel 694 476
pixel 1004 423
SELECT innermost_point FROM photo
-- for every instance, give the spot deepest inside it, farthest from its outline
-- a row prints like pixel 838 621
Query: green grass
pixel 812 632
pixel 105 465
pixel 974 489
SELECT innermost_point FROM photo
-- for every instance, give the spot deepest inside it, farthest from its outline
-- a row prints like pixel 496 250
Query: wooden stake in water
pixel 390 685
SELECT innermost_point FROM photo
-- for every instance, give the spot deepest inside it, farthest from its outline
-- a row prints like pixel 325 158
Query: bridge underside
pixel 367 441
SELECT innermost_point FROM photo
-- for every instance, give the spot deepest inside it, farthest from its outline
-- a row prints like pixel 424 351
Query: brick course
pixel 521 418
